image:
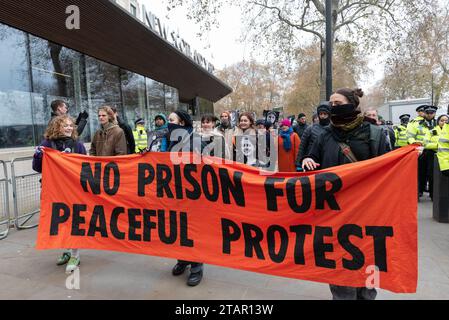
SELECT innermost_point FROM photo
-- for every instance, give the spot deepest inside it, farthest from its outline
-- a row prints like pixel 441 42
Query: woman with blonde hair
pixel 109 140
pixel 61 135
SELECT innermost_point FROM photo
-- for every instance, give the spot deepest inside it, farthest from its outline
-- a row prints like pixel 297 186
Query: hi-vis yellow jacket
pixel 416 132
pixel 443 148
pixel 431 138
pixel 141 138
pixel 400 133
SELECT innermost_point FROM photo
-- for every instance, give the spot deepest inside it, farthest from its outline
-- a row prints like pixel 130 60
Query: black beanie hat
pixel 324 107
pixel 184 116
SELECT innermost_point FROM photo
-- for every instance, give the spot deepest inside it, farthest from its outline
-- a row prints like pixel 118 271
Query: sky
pixel 223 47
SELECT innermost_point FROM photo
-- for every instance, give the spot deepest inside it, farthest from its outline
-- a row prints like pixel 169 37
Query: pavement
pixel 26 273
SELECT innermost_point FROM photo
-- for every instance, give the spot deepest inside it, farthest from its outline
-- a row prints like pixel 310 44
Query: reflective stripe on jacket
pixel 443 148
pixel 400 134
pixel 141 139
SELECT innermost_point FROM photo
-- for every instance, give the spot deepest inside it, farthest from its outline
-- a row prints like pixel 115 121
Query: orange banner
pixel 353 225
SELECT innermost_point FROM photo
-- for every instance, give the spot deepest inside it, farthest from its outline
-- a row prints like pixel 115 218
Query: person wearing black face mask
pixel 181 135
pixel 348 138
pixel 312 132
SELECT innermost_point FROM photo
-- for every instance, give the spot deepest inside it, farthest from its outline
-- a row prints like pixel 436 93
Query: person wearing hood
pixel 312 132
pixel 158 139
pixel 109 140
pixel 301 125
pixel 288 147
pixel 348 138
pixel 61 135
pixel 181 136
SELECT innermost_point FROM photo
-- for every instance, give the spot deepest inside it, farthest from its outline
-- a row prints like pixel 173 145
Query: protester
pixel 212 139
pixel 109 140
pixel 59 108
pixel 348 139
pixel 312 132
pixel 301 125
pixel 288 147
pixel 158 139
pixel 129 136
pixel 181 136
pixel 140 135
pixel 245 143
pixel 315 118
pixel 260 124
pixel 401 131
pixel 61 135
pixel 372 116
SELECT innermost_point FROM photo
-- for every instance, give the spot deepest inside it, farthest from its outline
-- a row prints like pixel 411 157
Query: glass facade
pixel 34 72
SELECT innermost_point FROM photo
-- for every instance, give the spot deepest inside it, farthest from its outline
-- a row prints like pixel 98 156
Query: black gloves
pixel 82 116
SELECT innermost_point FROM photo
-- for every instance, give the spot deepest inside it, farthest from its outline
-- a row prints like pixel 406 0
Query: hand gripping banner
pixel 340 225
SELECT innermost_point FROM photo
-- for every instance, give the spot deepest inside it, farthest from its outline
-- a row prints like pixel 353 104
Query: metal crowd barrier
pixel 5 216
pixel 26 190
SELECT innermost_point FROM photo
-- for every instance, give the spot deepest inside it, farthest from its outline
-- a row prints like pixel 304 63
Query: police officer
pixel 430 144
pixel 419 133
pixel 415 135
pixel 400 132
pixel 140 135
pixel 443 150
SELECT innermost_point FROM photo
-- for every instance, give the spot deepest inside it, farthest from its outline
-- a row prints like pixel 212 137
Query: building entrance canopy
pixel 109 33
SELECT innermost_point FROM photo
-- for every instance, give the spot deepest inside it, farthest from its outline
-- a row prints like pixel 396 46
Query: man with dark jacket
pixel 59 108
pixel 349 138
pixel 130 143
pixel 301 126
pixel 313 131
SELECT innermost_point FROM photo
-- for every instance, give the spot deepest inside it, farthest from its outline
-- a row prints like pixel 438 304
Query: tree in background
pixel 304 95
pixel 277 28
pixel 256 87
pixel 418 66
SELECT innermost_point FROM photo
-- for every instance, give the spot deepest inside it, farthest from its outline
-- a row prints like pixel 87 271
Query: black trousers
pixel 425 171
pixel 352 293
pixel 194 266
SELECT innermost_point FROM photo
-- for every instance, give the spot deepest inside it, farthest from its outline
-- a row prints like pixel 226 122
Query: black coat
pixel 299 129
pixel 327 152
pixel 130 143
pixel 308 138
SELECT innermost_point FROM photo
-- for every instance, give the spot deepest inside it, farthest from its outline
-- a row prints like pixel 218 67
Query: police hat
pixel 139 121
pixel 421 108
pixel 404 116
pixel 430 109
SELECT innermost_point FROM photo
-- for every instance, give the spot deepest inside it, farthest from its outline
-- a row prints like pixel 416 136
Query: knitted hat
pixel 184 116
pixel 286 122
pixel 324 107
